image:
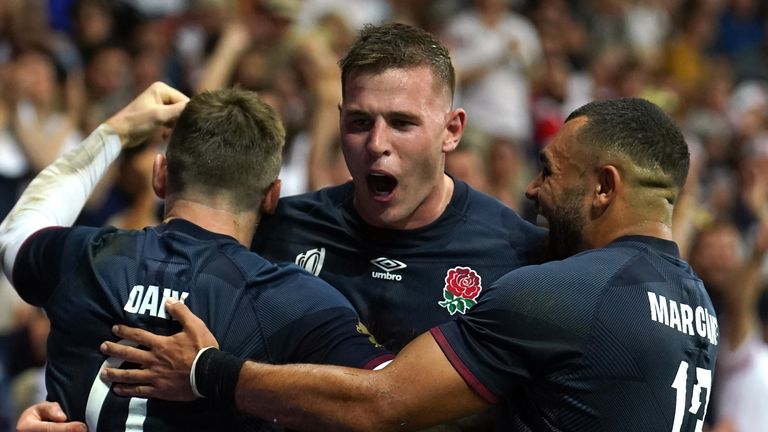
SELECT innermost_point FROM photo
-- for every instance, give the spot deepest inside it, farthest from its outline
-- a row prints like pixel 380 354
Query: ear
pixel 608 184
pixel 160 175
pixel 271 196
pixel 454 129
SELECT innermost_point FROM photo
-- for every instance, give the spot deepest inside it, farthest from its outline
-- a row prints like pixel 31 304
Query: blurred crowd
pixel 523 65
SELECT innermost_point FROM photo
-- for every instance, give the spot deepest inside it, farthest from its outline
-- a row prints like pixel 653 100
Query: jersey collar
pixel 439 229
pixel 664 246
pixel 186 227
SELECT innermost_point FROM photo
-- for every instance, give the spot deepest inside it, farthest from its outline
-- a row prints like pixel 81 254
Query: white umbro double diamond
pixel 388 265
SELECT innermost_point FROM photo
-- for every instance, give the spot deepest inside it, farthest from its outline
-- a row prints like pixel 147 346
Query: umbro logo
pixel 311 260
pixel 388 265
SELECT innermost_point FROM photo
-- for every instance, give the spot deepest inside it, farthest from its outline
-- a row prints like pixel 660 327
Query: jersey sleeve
pixel 44 259
pixel 316 324
pixel 57 194
pixel 510 337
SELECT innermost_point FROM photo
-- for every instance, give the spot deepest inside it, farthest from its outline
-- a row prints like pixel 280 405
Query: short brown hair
pixel 226 142
pixel 396 45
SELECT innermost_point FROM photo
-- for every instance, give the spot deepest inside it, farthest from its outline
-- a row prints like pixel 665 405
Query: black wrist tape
pixel 216 375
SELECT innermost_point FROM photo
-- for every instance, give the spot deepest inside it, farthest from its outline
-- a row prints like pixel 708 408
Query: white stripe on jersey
pixel 137 413
pixel 99 392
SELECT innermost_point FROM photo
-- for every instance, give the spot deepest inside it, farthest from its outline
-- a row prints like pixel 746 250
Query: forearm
pixel 311 397
pixel 418 389
pixel 56 195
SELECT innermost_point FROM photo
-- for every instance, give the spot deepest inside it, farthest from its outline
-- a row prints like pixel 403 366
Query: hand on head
pixel 158 105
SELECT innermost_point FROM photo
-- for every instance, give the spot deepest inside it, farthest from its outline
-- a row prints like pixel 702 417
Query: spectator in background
pixel 685 59
pixel 35 126
pixel 467 164
pixel 706 60
pixel 93 25
pixel 508 173
pixel 494 50
pixel 741 37
pixel 731 272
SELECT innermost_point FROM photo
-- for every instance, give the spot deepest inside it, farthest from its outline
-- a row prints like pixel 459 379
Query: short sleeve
pixel 510 338
pixel 44 259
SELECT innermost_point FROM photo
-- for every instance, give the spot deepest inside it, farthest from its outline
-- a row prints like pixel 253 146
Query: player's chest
pixel 448 280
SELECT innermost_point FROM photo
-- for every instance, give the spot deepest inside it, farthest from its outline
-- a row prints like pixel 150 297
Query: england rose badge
pixel 462 286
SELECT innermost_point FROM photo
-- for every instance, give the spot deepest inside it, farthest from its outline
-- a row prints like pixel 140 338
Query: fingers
pixel 166 94
pixel 72 427
pixel 39 426
pixel 142 391
pixel 193 326
pixel 127 353
pixel 168 113
pixel 49 411
pixel 143 337
pixel 158 104
pixel 127 376
pixel 47 417
pixel 181 312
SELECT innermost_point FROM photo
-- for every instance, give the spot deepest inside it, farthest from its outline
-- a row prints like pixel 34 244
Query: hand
pixel 236 36
pixel 47 417
pixel 167 364
pixel 158 105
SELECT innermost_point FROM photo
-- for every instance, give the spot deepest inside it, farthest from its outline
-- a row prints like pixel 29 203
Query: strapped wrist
pixel 214 375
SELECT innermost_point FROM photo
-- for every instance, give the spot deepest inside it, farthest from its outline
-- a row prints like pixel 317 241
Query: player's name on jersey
pixel 683 317
pixel 147 300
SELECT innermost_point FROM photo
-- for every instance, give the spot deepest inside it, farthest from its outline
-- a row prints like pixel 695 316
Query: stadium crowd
pixel 522 65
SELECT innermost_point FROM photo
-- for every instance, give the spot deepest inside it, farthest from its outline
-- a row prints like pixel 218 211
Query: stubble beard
pixel 566 225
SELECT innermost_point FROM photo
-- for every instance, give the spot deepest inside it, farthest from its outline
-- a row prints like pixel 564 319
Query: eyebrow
pixel 389 114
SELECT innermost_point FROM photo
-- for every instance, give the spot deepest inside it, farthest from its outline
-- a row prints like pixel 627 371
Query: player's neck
pixel 241 225
pixel 649 228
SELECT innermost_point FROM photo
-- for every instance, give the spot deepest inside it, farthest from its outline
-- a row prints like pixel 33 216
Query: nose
pixel 532 191
pixel 378 139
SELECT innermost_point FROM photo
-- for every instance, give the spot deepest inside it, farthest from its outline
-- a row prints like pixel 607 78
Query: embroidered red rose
pixel 463 282
pixel 462 286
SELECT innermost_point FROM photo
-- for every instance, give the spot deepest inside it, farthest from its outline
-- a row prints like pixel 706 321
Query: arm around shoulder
pixel 419 388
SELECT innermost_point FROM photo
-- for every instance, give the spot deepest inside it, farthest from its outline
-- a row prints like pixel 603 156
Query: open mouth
pixel 381 185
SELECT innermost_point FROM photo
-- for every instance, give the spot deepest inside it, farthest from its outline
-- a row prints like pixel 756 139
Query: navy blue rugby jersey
pixel 88 279
pixel 622 338
pixel 402 283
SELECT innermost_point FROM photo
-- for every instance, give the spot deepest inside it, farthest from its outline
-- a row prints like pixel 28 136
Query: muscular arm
pixel 419 388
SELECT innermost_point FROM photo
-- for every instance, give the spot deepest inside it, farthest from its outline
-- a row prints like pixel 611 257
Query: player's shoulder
pixel 591 269
pixel 302 212
pixel 597 268
pixel 488 213
pixel 288 283
pixel 321 201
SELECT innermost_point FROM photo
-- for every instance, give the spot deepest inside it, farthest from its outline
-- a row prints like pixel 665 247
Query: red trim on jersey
pixel 461 368
pixel 378 360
